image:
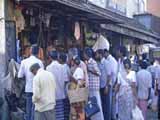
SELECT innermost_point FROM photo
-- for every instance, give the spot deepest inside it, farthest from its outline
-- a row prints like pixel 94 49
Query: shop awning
pixel 78 8
pixel 133 32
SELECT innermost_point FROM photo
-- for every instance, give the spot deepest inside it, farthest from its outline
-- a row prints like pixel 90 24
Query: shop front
pixel 52 25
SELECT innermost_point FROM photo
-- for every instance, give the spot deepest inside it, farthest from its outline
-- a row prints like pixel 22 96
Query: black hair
pixel 35 49
pixel 101 52
pixel 35 66
pixel 77 60
pixel 53 54
pixel 123 50
pixel 144 56
pixel 144 64
pixel 63 57
pixel 127 62
pixel 89 52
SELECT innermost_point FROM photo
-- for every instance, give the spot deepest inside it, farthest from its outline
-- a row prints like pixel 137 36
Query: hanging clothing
pixel 77 32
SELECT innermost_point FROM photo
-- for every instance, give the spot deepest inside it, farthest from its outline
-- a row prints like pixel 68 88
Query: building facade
pixel 128 7
pixel 153 7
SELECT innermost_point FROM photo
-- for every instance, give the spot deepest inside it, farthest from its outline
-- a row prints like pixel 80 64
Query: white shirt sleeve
pixel 150 81
pixel 108 68
pixel 78 74
pixel 21 72
pixel 36 89
pixel 157 73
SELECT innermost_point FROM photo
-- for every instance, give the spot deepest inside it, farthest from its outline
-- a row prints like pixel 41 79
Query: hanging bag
pixel 137 114
pixel 92 107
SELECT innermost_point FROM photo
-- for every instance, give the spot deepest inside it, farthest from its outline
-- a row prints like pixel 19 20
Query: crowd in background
pixel 117 87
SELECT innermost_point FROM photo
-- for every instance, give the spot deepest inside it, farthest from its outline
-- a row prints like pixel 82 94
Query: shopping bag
pixel 137 114
pixel 92 107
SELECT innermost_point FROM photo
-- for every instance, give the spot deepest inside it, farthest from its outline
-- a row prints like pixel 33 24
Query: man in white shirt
pixel 57 70
pixel 144 85
pixel 44 87
pixel 103 83
pixel 24 71
pixel 111 68
pixel 66 77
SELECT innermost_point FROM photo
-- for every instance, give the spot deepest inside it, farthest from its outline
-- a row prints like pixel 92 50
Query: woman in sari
pixel 77 79
pixel 126 91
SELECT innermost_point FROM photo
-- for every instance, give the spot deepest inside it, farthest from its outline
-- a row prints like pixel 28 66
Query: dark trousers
pixel 29 107
pixel 106 103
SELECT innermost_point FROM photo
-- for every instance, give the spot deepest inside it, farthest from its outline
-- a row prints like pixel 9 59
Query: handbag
pixel 91 107
pixel 137 114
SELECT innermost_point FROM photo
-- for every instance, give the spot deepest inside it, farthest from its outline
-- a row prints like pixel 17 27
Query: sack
pixel 78 94
pixel 137 114
pixel 92 107
pixel 101 43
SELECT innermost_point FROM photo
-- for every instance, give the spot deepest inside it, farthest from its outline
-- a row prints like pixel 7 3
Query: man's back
pixel 44 86
pixel 24 71
pixel 144 82
pixel 57 70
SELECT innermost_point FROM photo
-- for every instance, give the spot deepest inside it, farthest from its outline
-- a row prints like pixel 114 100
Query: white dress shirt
pixel 44 87
pixel 24 71
pixel 111 67
pixel 57 70
pixel 144 82
pixel 67 72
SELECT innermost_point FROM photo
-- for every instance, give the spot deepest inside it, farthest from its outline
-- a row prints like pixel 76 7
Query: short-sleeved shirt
pixel 57 70
pixel 111 67
pixel 24 71
pixel 66 72
pixel 103 77
pixel 94 81
pixel 78 74
pixel 144 82
pixel 126 79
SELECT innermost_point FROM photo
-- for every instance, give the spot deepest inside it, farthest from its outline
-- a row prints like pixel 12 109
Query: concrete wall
pixel 153 6
pixel 131 6
pixel 136 7
pixel 2 40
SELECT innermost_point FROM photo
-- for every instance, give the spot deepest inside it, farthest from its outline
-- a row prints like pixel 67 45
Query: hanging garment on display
pixel 77 32
pixel 20 21
pixel 101 43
